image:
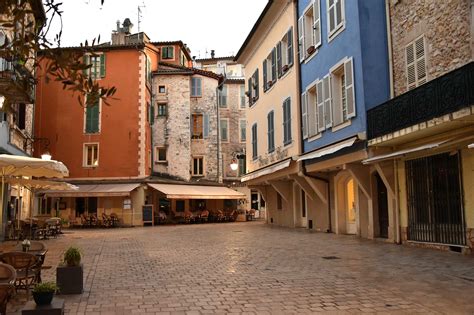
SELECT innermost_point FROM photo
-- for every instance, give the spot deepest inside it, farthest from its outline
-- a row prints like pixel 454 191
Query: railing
pixel 446 94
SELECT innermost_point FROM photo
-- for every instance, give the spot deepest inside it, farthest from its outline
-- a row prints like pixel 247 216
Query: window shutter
pixel 265 80
pixel 198 89
pixel 256 84
pixel 350 91
pixel 206 126
pixel 338 12
pixel 279 60
pixel 152 114
pixel 312 109
pixel 290 47
pixel 193 87
pixel 420 61
pixel 331 16
pixel 254 141
pixel 301 38
pixel 320 102
pixel 270 131
pixel 327 101
pixel 274 64
pixel 250 91
pixel 191 125
pixel 304 115
pixel 102 65
pixel 317 23
pixel 411 72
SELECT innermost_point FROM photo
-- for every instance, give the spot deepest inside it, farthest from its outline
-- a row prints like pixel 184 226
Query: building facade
pixel 269 58
pixel 344 72
pixel 423 156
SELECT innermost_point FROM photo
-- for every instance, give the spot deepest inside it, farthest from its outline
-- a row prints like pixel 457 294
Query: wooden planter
pixel 310 50
pixel 70 279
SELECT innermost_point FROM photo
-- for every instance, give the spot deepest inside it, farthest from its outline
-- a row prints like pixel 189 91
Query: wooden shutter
pixel 411 72
pixel 198 83
pixel 420 60
pixel 250 92
pixel 274 64
pixel 265 75
pixel 279 59
pixel 92 118
pixel 304 115
pixel 152 114
pixel 270 132
pixel 254 141
pixel 256 84
pixel 320 104
pixel 312 110
pixel 206 126
pixel 301 38
pixel 317 23
pixel 337 105
pixel 290 47
pixel 350 90
pixel 327 101
pixel 102 66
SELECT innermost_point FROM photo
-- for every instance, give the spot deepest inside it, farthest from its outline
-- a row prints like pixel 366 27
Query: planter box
pixel 70 280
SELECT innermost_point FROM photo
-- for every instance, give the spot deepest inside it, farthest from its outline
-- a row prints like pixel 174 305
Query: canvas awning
pixel 267 170
pixel 196 192
pixel 100 190
pixel 400 153
pixel 327 150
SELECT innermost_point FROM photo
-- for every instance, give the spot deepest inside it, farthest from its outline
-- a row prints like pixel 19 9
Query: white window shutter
pixel 304 115
pixel 411 72
pixel 350 90
pixel 320 104
pixel 420 60
pixel 312 124
pixel 327 101
pixel 336 105
pixel 317 23
pixel 301 44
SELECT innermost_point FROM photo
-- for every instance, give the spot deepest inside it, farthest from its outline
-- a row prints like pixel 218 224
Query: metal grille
pixel 435 206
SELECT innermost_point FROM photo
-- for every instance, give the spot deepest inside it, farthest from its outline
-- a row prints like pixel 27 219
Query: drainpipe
pixel 389 44
pixel 219 162
pixel 398 236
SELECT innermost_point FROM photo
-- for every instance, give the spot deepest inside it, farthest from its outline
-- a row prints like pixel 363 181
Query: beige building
pixel 424 156
pixel 273 116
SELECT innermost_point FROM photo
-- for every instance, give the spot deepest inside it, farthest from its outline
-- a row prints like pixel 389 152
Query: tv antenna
pixel 139 13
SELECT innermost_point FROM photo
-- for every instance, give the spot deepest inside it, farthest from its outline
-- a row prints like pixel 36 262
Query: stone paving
pixel 252 268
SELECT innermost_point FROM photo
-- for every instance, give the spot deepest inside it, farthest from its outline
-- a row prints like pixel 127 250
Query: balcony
pixel 441 96
pixel 10 140
pixel 16 82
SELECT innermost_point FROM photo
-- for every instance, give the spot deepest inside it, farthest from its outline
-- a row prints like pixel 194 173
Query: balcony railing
pixel 16 82
pixel 444 95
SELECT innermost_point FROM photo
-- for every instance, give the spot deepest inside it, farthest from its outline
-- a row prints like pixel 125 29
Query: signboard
pixel 148 214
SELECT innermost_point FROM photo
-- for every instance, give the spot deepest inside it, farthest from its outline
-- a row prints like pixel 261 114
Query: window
pixel 309 30
pixel 92 118
pixel 167 52
pixel 198 166
pixel 97 68
pixel 271 131
pixel 224 129
pixel 242 166
pixel 21 116
pixel 91 155
pixel 197 126
pixel 309 112
pixel 180 205
pixel 416 63
pixel 253 88
pixel 285 53
pixel 279 202
pixel 160 155
pixel 242 97
pixel 335 15
pixel 269 70
pixel 196 90
pixel 287 121
pixel 254 142
pixel 162 89
pixel 162 110
pixel 342 93
pixel 243 130
pixel 223 97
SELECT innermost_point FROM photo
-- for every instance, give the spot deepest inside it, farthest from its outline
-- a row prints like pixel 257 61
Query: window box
pixel 285 68
pixel 310 50
pixel 254 99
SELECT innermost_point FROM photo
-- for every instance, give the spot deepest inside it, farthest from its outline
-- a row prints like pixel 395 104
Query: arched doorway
pixel 382 206
pixel 350 207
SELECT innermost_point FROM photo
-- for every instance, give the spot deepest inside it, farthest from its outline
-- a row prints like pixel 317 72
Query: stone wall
pixel 446 27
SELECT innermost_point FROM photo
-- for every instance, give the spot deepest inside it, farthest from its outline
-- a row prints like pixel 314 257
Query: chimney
pixel 213 53
pixel 118 25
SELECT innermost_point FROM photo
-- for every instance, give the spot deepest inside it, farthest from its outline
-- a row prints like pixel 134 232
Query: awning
pixel 101 190
pixel 396 154
pixel 266 170
pixel 197 192
pixel 327 150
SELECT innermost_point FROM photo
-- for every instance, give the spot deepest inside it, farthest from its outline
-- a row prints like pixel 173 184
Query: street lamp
pixel 234 165
pixel 46 156
pixel 2 101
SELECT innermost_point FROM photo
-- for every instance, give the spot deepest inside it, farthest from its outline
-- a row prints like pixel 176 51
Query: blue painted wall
pixel 365 40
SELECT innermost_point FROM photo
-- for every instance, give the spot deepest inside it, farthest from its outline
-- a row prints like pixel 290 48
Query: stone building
pixel 421 140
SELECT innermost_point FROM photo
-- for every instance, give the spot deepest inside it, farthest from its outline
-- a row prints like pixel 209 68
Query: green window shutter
pixel 152 114
pixel 92 119
pixel 102 65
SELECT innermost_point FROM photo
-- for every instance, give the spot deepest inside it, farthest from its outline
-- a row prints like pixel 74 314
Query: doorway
pixel 382 206
pixel 351 227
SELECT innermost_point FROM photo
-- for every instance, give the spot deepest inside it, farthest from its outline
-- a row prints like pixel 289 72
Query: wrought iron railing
pixel 446 94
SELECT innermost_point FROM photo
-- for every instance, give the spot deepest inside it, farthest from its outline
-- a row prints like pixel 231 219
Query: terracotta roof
pixel 216 58
pixel 187 70
pixel 254 29
pixel 235 81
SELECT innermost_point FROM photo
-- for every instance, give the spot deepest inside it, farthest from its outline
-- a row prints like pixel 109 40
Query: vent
pixel 331 257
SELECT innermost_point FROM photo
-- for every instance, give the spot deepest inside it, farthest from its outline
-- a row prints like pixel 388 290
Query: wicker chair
pixel 26 267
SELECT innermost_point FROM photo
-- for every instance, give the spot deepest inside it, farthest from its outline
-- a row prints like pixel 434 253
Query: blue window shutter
pixel 206 126
pixel 102 65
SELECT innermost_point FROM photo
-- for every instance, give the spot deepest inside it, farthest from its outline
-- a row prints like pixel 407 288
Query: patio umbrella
pixel 14 165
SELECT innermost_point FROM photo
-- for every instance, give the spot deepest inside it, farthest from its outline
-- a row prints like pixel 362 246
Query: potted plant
pixel 69 274
pixel 43 293
pixel 311 49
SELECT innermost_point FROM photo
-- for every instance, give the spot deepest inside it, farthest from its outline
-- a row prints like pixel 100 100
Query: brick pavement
pixel 252 268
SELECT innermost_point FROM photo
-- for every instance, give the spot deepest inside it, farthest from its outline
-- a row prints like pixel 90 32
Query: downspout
pixel 389 46
pixel 219 162
pixel 398 237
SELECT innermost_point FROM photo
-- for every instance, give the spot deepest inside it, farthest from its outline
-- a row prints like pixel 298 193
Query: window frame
pixel 338 28
pixel 159 112
pixel 164 88
pixel 196 88
pixel 85 154
pixel 242 140
pixel 157 154
pixel 193 135
pixel 195 158
pixel 167 49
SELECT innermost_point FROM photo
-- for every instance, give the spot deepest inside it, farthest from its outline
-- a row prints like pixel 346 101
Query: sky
pixel 221 25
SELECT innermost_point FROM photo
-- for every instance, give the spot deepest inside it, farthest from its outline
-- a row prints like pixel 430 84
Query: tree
pixel 29 36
